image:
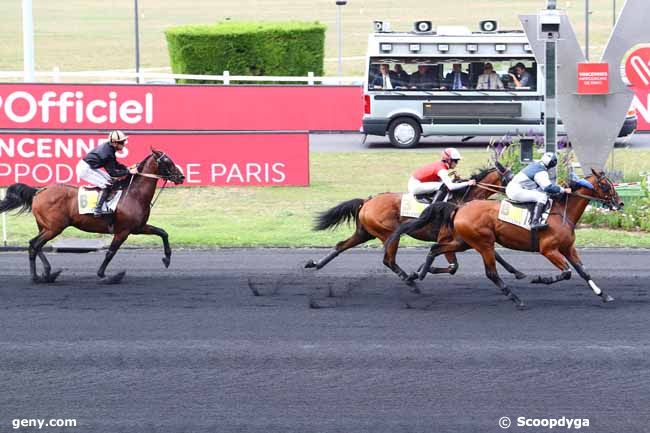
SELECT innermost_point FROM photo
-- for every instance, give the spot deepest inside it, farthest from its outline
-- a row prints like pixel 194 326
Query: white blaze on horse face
pixel 595 288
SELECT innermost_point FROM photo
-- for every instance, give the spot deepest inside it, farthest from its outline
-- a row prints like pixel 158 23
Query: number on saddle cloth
pixel 520 213
pixel 87 198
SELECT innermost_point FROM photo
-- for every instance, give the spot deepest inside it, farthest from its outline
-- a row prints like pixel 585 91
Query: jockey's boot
pixel 100 202
pixel 535 224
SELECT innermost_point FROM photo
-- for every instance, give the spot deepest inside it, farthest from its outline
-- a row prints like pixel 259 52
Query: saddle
pixel 427 198
pixel 87 197
pixel 521 213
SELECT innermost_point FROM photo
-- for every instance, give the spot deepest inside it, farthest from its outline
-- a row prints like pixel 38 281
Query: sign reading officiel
pixel 68 107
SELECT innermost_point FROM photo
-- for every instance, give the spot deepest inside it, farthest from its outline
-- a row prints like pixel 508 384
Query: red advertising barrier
pixel 180 108
pixel 273 159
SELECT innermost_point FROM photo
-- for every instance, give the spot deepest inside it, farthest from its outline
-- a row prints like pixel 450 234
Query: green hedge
pixel 281 49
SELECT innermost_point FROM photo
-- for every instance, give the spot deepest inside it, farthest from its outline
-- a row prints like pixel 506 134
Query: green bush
pixel 281 49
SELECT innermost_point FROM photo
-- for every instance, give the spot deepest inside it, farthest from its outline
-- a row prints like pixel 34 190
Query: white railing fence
pixel 156 77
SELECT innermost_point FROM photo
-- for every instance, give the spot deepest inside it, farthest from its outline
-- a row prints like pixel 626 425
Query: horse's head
pixel 602 189
pixel 498 175
pixel 165 167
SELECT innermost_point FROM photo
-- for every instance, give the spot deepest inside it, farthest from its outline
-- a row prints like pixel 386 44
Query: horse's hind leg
pixel 359 237
pixel 508 267
pixel 36 249
pixel 489 261
pixel 153 230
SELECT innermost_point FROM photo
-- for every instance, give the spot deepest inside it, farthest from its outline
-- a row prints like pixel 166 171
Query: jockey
pixel 103 156
pixel 431 177
pixel 532 184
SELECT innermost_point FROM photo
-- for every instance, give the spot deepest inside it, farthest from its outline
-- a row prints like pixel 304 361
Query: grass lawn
pixel 98 35
pixel 275 216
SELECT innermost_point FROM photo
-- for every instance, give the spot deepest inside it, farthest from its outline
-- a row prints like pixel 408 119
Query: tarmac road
pixel 191 349
pixel 352 142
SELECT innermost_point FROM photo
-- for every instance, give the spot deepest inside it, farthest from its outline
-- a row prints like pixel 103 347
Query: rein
pixel 588 197
pixel 491 187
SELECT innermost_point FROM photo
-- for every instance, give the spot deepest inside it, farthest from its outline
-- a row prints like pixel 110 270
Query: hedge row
pixel 280 49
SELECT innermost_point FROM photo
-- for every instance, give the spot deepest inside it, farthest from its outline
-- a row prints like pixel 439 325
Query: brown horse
pixel 476 225
pixel 55 208
pixel 379 216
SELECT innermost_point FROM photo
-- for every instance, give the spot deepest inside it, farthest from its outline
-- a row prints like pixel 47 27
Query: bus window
pixel 446 74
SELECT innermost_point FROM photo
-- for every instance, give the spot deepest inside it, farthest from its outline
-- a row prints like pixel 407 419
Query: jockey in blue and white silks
pixel 532 184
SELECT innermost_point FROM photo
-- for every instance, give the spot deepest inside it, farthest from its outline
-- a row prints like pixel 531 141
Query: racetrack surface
pixel 191 349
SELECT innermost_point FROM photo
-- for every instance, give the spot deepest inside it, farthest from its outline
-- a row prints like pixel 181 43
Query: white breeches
pixel 93 176
pixel 417 187
pixel 514 191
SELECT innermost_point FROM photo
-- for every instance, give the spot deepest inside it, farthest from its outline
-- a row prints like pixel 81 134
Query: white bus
pixel 439 82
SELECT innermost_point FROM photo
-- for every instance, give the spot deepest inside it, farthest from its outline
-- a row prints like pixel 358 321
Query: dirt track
pixel 192 349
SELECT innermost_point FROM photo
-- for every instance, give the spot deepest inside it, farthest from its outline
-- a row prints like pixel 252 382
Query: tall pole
pixel 137 42
pixel 587 29
pixel 340 38
pixel 28 41
pixel 614 14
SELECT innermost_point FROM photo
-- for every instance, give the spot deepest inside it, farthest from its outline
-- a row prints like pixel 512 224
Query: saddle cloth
pixel 410 207
pixel 520 214
pixel 87 200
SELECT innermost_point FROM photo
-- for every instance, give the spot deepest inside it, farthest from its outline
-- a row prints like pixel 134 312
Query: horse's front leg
pixel 574 259
pixel 117 242
pixel 153 230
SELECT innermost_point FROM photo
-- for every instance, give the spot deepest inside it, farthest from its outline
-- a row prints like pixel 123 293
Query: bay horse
pixel 379 216
pixel 55 208
pixel 476 225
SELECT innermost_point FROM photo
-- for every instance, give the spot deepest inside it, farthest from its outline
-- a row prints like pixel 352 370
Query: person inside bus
pixel 401 76
pixel 422 79
pixel 521 77
pixel 435 177
pixel 456 79
pixel 386 78
pixel 489 80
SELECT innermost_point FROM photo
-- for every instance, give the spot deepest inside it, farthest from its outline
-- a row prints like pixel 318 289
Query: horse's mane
pixel 141 164
pixel 481 173
pixel 478 175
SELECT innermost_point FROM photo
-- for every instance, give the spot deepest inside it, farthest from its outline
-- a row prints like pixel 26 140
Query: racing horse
pixel 55 208
pixel 379 216
pixel 476 225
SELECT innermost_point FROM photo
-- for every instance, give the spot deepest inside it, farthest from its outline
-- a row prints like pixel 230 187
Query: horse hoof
pixel 414 276
pixel 607 298
pixel 537 280
pixel 50 278
pixel 115 279
pixel 521 306
pixel 520 275
pixel 166 261
pixel 310 264
pixel 416 290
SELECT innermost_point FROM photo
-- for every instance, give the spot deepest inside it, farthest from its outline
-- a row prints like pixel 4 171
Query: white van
pixel 436 82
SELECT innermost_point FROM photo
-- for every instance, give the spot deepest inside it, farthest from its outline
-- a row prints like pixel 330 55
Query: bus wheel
pixel 404 133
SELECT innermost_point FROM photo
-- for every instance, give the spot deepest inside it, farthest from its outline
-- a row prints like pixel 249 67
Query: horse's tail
pixel 343 212
pixel 20 196
pixel 439 214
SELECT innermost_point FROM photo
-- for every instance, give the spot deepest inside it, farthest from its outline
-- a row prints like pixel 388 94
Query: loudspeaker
pixel 488 26
pixel 381 26
pixel 526 145
pixel 423 27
